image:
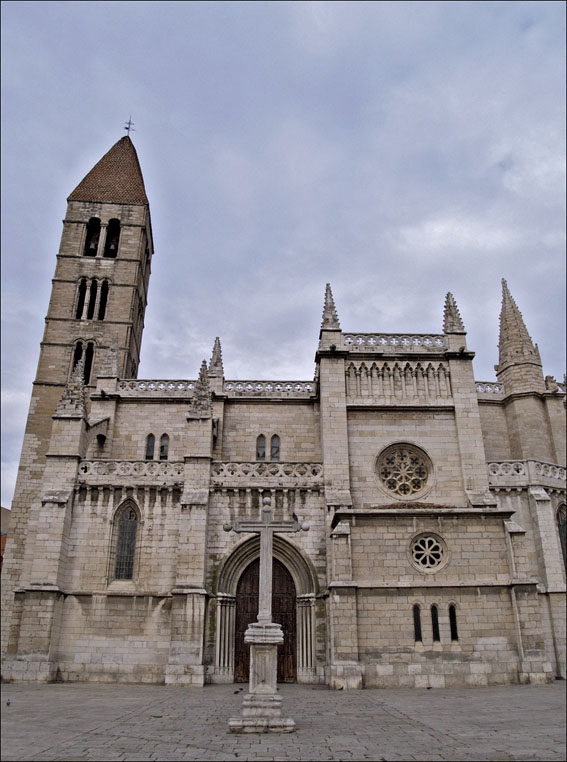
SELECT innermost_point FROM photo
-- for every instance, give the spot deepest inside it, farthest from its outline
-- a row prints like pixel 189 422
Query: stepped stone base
pixel 261 713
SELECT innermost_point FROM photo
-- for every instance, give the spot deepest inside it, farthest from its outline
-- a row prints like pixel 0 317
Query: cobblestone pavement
pixel 134 722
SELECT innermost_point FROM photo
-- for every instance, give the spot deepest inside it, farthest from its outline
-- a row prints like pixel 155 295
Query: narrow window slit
pixel 435 624
pixel 417 624
pixel 453 622
pixel 150 446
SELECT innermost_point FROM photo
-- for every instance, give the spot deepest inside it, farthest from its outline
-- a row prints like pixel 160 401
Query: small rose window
pixel 428 552
pixel 404 470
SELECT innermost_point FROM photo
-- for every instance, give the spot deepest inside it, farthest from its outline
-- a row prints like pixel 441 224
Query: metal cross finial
pixel 129 125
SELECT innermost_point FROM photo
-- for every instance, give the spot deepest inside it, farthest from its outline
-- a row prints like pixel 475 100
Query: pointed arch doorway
pixel 297 600
pixel 284 601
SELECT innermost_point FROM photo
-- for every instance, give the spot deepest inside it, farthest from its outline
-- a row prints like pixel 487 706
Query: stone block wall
pixel 485 653
pixel 371 431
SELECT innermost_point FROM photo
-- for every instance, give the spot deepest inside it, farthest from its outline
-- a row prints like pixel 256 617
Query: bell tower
pixel 98 299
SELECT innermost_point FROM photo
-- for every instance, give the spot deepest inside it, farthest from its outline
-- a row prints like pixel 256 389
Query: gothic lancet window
pixel 88 349
pixel 275 448
pixel 103 300
pixel 562 527
pixel 453 622
pixel 163 447
pixel 417 624
pixel 81 294
pixel 150 446
pixel 92 237
pixel 112 238
pixel 435 623
pixel 92 300
pixel 261 448
pixel 127 525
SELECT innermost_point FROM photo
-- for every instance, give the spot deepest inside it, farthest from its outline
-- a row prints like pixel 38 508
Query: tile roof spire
pixel 452 321
pixel 115 179
pixel 330 316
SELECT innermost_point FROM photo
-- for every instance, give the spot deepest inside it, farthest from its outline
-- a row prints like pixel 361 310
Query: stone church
pixel 435 554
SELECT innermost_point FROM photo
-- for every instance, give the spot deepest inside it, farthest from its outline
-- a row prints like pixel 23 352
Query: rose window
pixel 404 470
pixel 428 552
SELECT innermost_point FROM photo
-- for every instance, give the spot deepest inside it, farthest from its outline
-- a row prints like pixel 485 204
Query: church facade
pixel 435 554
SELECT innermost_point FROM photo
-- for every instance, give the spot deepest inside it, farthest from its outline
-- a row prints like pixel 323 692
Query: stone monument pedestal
pixel 261 708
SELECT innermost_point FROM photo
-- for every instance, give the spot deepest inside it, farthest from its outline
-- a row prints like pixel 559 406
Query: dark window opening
pixel 453 622
pixel 417 624
pixel 103 300
pixel 261 447
pixel 163 447
pixel 89 354
pixel 81 298
pixel 112 238
pixel 275 448
pixel 562 527
pixel 150 445
pixel 435 624
pixel 92 237
pixel 78 353
pixel 92 299
pixel 126 544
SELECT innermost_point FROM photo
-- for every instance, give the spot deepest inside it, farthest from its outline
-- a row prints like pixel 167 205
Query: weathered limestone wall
pixel 494 431
pixel 370 431
pixel 113 638
pixel 296 424
pixel 484 654
pixel 476 550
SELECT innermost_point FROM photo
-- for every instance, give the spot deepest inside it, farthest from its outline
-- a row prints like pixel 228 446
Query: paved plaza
pixel 134 722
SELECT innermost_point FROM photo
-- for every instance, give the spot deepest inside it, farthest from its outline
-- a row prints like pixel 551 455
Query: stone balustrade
pixel 231 474
pixel 278 389
pixel 489 387
pixel 521 473
pixel 114 472
pixel 155 388
pixel 271 389
pixel 399 343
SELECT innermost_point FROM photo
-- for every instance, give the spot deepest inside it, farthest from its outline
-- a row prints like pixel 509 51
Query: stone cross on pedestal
pixel 261 711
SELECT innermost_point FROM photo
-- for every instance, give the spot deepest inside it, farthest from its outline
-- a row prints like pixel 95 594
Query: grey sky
pixel 397 150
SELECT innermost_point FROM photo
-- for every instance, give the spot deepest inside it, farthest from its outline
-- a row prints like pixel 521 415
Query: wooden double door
pixel 283 612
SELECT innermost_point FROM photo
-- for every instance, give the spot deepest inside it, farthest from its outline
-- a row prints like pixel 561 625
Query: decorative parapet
pixel 185 389
pixel 143 388
pixel 141 471
pixel 275 389
pixel 399 343
pixel 522 473
pixel 489 387
pixel 248 475
pixel 379 382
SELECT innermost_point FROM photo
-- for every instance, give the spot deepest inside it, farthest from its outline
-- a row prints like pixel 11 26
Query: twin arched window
pixel 163 447
pixel 92 238
pixel 91 301
pixel 274 448
pixel 434 623
pixel 84 350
